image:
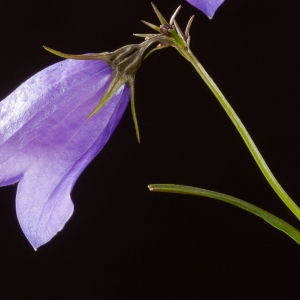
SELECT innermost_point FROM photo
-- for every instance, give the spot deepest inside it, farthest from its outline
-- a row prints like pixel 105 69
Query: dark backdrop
pixel 124 242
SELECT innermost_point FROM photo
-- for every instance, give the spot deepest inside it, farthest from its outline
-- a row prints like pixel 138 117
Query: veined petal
pixel 40 102
pixel 46 141
pixel 209 7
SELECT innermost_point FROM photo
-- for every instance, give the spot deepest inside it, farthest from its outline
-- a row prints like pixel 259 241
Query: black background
pixel 124 242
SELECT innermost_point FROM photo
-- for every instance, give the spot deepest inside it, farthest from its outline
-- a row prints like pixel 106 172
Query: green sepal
pixel 151 51
pixel 144 35
pixel 154 27
pixel 96 56
pixel 162 20
pixel 174 15
pixel 115 84
pixel 188 26
pixel 132 99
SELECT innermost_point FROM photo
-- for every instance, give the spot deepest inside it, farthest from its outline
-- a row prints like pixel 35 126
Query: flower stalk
pixel 181 42
pixel 243 132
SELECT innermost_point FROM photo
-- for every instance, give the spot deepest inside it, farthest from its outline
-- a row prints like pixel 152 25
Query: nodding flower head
pixel 54 124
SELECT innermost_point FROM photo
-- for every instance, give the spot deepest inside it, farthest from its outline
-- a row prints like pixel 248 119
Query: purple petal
pixel 46 141
pixel 209 7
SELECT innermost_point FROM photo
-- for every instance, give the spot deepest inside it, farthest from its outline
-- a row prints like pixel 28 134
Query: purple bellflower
pixel 209 7
pixel 46 141
pixel 53 125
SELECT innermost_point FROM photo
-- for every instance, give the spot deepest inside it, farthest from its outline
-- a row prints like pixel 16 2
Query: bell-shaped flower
pixel 53 125
pixel 209 7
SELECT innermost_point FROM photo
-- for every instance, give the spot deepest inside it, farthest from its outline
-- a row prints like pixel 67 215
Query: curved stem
pixel 242 130
pixel 270 218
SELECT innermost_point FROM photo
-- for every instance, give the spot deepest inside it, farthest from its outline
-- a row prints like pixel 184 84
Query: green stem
pixel 270 218
pixel 242 130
